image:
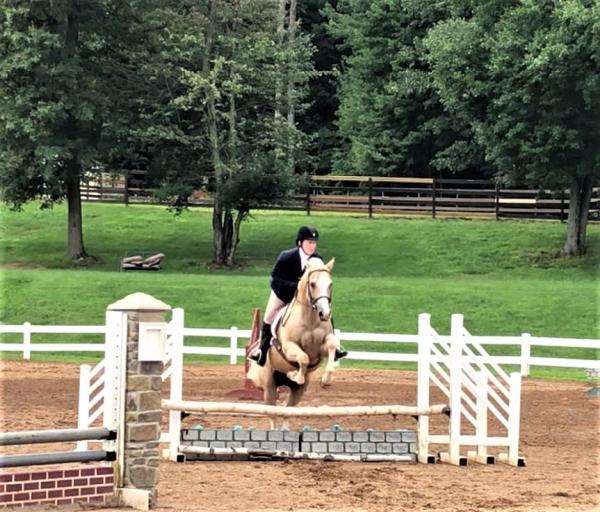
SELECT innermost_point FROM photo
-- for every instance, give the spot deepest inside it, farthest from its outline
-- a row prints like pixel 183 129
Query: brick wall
pixel 65 486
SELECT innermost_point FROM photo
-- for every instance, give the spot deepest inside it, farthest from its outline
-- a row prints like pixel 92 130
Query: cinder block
pixel 352 447
pixel 360 437
pixel 384 448
pixel 208 435
pixel 326 436
pixel 291 436
pixel 224 435
pixel 393 437
pixel 251 445
pixel 234 444
pixel 258 435
pixel 343 437
pixel 241 435
pixel 201 444
pixel 367 448
pixel 377 437
pixel 306 447
pixel 285 446
pixel 190 435
pixel 268 445
pixel 319 447
pixel 412 447
pixel 217 444
pixel 310 437
pixel 275 435
pixel 399 448
pixel 335 447
pixel 409 437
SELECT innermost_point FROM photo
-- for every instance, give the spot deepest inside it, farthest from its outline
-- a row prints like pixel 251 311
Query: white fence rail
pixel 238 338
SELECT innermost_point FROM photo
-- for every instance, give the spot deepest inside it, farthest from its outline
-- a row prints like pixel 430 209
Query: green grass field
pixel 503 276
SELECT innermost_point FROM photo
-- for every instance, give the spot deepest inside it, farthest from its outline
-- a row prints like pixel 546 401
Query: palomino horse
pixel 304 337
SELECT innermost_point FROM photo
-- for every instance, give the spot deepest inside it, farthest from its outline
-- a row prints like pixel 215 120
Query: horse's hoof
pixel 296 377
pixel 325 382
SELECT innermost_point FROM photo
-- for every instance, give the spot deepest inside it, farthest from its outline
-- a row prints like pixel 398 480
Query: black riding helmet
pixel 306 233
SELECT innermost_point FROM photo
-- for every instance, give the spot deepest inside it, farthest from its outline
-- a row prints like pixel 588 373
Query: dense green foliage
pixel 390 111
pixel 387 271
pixel 526 77
pixel 237 97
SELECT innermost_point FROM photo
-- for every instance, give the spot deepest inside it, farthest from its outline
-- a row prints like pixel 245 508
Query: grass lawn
pixel 503 276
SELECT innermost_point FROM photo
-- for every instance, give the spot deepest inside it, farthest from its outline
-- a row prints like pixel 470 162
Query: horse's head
pixel 319 286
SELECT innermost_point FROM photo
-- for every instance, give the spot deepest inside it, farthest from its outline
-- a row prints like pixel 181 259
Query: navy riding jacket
pixel 286 273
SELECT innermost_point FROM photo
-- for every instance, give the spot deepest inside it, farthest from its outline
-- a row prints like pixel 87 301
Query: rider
pixel 285 275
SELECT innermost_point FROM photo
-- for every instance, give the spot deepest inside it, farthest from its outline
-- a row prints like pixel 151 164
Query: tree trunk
pixel 219 256
pixel 75 222
pixel 281 37
pixel 579 206
pixel 73 166
pixel 290 88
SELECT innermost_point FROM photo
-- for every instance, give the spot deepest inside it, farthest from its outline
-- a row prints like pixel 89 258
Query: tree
pixel 318 120
pixel 54 98
pixel 390 114
pixel 526 76
pixel 228 72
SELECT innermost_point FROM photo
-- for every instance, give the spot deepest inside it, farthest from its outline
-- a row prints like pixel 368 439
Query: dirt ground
pixel 559 439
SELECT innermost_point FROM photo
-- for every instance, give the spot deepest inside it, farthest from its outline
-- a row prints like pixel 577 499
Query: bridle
pixel 314 300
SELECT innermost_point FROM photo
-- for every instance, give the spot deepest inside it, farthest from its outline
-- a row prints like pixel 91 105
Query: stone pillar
pixel 142 398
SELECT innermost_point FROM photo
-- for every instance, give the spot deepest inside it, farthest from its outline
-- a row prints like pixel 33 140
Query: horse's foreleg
pixel 270 393
pixel 295 354
pixel 331 345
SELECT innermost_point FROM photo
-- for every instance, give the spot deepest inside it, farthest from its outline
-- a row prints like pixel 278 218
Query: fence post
pixel 308 200
pixel 562 205
pixel 370 197
pixel 126 191
pixel 27 340
pixel 433 194
pixel 455 387
pixel 481 430
pixel 141 359
pixel 497 201
pixel 233 345
pixel 525 353
pixel 514 417
pixel 424 352
pixel 176 385
pixel 83 408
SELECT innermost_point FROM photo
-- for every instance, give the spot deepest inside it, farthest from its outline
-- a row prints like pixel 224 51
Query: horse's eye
pixel 312 285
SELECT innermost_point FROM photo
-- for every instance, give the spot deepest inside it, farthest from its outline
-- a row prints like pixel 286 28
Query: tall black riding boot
pixel 265 343
pixel 339 353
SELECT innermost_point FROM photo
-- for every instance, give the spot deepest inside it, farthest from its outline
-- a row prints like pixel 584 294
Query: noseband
pixel 313 300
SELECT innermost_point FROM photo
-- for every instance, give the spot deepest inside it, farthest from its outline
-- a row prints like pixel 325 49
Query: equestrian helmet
pixel 307 233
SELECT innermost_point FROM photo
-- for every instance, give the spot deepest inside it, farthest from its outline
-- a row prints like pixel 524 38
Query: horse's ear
pixel 330 264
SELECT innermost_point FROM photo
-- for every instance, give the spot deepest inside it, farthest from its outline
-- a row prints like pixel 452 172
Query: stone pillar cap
pixel 139 302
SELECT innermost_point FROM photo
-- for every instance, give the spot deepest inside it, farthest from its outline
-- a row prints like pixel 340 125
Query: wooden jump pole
pixel 288 412
pixel 56 436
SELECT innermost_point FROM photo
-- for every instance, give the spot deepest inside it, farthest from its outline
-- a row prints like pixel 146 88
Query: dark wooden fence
pixel 375 195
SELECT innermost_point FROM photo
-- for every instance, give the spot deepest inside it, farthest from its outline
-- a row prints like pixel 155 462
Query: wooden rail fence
pixel 379 195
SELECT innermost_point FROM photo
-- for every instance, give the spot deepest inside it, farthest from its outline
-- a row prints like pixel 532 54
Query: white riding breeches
pixel 274 305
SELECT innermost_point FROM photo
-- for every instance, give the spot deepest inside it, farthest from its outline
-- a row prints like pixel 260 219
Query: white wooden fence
pixel 238 339
pixel 474 381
